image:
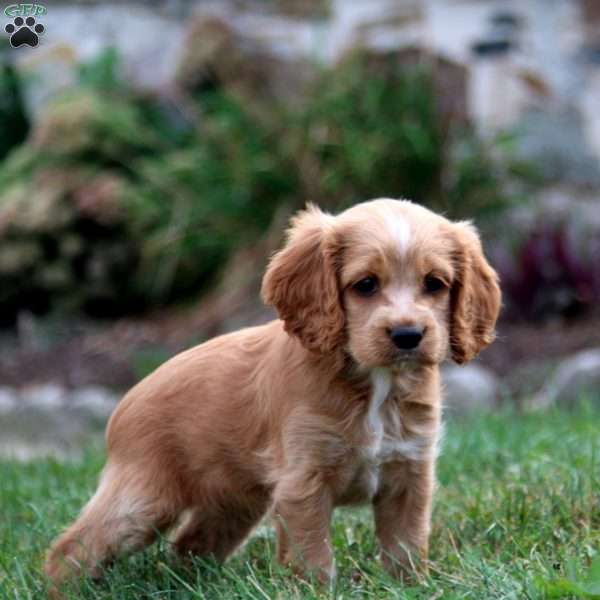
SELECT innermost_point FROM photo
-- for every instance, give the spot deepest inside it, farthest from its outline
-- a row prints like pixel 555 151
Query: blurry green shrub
pixel 102 73
pixel 368 135
pixel 369 132
pixel 481 178
pixel 194 204
pixel 65 236
pixel 14 124
pixel 121 200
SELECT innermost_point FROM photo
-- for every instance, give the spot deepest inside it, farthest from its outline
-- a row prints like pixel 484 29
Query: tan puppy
pixel 336 403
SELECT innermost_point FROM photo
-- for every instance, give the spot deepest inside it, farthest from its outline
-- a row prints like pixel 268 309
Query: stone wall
pixel 532 55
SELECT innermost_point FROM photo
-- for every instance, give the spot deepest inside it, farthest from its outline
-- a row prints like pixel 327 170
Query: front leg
pixel 302 511
pixel 403 516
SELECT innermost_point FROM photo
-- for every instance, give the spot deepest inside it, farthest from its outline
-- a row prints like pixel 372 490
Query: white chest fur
pixel 387 439
pixel 381 381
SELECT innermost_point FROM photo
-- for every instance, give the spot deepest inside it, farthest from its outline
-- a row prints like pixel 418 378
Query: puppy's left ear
pixel 475 297
pixel 301 282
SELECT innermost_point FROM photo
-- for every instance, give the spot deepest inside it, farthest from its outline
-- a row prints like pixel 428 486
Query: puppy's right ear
pixel 301 282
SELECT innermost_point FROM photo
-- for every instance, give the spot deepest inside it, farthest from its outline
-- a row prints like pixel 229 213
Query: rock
pixel 45 75
pixel 8 400
pixel 48 420
pixel 576 378
pixel 47 396
pixel 96 401
pixel 147 40
pixel 469 388
pixel 303 9
pixel 30 432
pixel 218 55
pixel 556 142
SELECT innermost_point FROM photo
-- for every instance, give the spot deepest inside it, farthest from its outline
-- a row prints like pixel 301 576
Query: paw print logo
pixel 24 32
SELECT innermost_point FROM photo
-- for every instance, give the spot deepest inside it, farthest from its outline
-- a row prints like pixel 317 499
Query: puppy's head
pixel 386 282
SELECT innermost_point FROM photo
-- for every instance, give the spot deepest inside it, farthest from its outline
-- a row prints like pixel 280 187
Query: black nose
pixel 406 338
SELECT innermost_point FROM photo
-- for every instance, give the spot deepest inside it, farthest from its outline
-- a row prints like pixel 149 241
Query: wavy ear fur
pixel 301 282
pixel 475 298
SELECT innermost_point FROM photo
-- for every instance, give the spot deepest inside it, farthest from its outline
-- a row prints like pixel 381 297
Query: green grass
pixel 517 515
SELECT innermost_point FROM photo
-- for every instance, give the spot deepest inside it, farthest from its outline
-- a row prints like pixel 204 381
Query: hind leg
pixel 125 515
pixel 216 533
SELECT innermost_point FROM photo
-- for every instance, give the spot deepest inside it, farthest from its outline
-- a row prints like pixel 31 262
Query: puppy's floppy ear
pixel 475 297
pixel 301 282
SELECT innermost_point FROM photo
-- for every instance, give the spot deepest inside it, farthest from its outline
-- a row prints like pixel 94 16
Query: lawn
pixel 517 516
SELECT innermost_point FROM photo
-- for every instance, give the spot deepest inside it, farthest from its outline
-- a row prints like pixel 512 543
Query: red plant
pixel 554 271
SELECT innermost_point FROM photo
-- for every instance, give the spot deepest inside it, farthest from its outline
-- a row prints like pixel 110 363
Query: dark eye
pixel 366 286
pixel 433 284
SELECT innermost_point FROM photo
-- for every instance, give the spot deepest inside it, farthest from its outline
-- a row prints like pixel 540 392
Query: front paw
pixel 405 564
pixel 323 574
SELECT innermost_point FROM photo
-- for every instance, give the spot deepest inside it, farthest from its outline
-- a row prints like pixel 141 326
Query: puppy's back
pixel 196 403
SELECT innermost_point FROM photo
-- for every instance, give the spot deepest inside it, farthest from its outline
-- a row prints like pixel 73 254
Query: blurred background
pixel 152 152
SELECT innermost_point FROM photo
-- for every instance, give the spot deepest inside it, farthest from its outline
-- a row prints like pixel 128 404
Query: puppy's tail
pixel 121 517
